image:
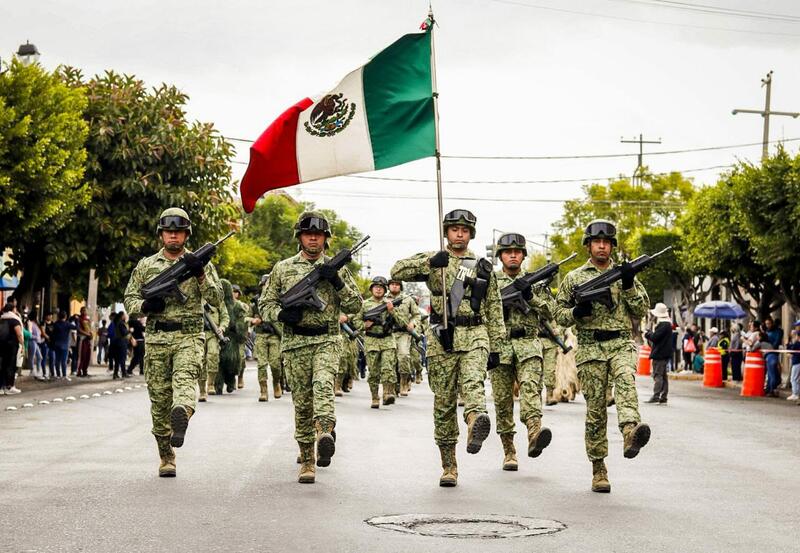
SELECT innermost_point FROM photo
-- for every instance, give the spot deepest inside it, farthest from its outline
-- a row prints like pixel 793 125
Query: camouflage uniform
pixel 268 352
pixel 310 362
pixel 549 360
pixel 466 365
pixel 520 360
pixel 381 349
pixel 604 358
pixel 244 310
pixel 210 368
pixel 409 312
pixel 173 358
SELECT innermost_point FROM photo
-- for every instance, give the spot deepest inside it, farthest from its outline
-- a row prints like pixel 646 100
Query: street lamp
pixel 28 53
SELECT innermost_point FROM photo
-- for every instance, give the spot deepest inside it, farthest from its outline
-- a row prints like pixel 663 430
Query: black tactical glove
pixel 439 260
pixel 194 263
pixel 524 288
pixel 329 273
pixel 627 275
pixel 153 305
pixel 290 315
pixel 494 360
pixel 583 309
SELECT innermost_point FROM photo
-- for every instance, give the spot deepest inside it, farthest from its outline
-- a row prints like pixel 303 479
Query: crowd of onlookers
pixel 48 347
pixel 687 350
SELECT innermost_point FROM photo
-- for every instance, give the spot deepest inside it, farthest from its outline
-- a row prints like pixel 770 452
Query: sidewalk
pixel 34 391
pixel 783 392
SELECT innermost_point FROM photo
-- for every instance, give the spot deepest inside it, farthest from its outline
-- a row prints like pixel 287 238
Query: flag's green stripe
pixel 399 103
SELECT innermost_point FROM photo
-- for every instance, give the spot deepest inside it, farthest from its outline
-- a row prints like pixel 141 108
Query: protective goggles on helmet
pixel 457 215
pixel 601 229
pixel 313 223
pixel 511 240
pixel 174 221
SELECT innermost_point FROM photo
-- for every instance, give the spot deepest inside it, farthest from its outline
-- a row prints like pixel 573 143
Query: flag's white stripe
pixel 349 150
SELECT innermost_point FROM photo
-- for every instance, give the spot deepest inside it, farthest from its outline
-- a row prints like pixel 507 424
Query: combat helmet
pixel 379 281
pixel 600 228
pixel 174 218
pixel 510 241
pixel 312 220
pixel 460 217
pixel 264 280
pixel 398 281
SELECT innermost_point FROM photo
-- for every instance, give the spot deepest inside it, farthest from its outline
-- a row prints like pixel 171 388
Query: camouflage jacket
pixel 487 335
pixel 547 343
pixel 269 329
pixel 405 313
pixel 289 272
pixel 375 343
pixel 189 314
pixel 522 348
pixel 627 304
pixel 219 317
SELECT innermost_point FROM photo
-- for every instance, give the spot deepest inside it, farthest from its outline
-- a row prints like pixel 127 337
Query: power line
pixel 714 10
pixel 592 156
pixel 635 20
pixel 707 8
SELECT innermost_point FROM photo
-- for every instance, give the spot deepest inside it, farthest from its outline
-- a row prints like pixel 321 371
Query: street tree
pixel 42 157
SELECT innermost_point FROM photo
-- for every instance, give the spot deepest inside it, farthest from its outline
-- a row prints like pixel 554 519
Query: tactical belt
pixel 600 335
pixel 383 334
pixel 309 330
pixel 518 333
pixel 460 320
pixel 167 326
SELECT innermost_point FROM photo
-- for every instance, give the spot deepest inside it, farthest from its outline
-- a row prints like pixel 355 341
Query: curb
pixel 68 399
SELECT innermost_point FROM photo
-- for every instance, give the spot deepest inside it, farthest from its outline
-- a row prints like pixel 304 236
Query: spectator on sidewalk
pixel 772 359
pixel 102 342
pixel 34 348
pixel 60 339
pixel 752 336
pixel 724 347
pixel 713 338
pixel 84 342
pixel 137 332
pixel 675 361
pixel 120 345
pixel 73 344
pixel 737 355
pixel 689 347
pixel 11 340
pixel 794 345
pixel 111 353
pixel 660 339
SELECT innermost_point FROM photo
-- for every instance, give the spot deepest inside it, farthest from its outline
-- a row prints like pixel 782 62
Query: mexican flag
pixel 378 116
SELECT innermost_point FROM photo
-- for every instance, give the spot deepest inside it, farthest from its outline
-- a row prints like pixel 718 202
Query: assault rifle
pixel 554 337
pixel 375 313
pixel 512 296
pixel 599 288
pixel 417 342
pixel 267 328
pixel 212 326
pixel 353 334
pixel 304 293
pixel 166 283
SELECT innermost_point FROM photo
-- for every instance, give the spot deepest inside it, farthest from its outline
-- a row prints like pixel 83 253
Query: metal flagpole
pixel 438 164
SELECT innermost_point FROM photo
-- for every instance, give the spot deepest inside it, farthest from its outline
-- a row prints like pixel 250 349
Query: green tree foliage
pixel 241 261
pixel 636 209
pixel 42 156
pixel 144 156
pixel 741 231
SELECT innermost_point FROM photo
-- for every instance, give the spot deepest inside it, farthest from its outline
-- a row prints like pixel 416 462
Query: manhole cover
pixel 467 526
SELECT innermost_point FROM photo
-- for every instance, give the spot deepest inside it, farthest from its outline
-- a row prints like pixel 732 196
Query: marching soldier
pixel 208 375
pixel 310 339
pixel 606 355
pixel 520 356
pixel 347 357
pixel 243 309
pixel 459 354
pixel 380 344
pixel 267 350
pixel 175 341
pixel 549 358
pixel 408 311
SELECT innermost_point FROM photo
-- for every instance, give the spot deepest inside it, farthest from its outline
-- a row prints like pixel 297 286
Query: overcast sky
pixel 516 77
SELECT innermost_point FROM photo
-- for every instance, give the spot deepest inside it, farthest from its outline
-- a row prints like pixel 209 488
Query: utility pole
pixel 637 174
pixel 767 82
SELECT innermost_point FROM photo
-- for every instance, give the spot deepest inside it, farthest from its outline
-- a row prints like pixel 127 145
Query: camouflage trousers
pixel 445 374
pixel 549 356
pixel 243 358
pixel 268 351
pixel 171 368
pixel 345 357
pixel 529 375
pixel 613 363
pixel 416 363
pixel 381 367
pixel 403 341
pixel 211 365
pixel 310 371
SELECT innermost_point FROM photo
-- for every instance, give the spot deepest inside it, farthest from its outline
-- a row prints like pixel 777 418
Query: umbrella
pixel 719 310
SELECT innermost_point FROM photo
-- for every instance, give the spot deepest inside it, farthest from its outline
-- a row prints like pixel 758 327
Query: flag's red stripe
pixel 273 157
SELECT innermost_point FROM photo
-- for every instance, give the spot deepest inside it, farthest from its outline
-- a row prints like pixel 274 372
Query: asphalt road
pixel 720 474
